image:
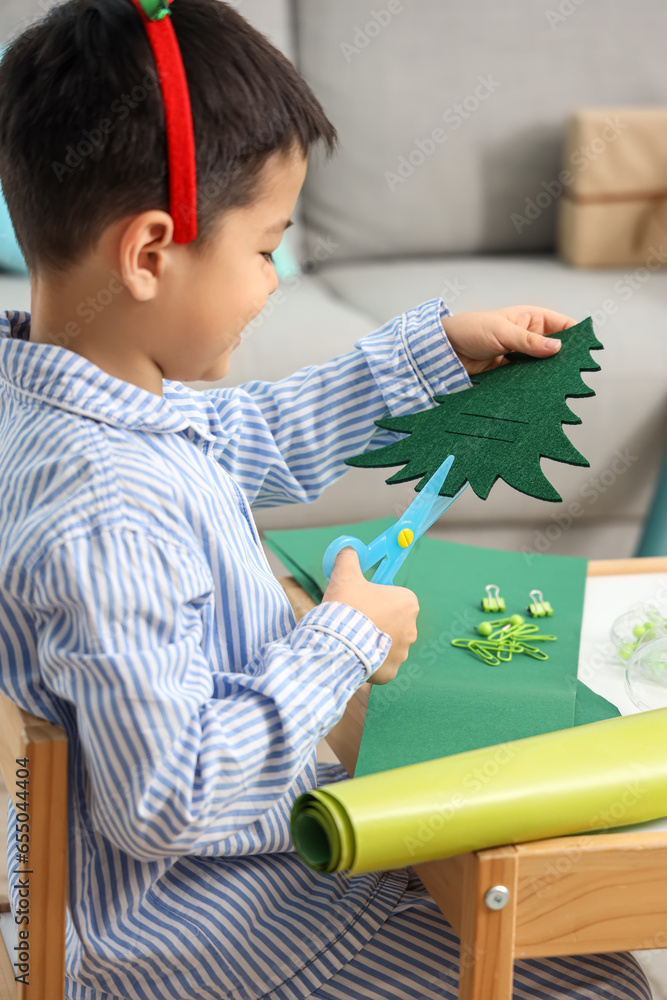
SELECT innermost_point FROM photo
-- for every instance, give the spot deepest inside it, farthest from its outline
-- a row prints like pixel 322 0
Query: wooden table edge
pixel 619 567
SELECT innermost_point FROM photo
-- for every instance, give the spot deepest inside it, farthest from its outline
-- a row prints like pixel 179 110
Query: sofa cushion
pixel 498 80
pixel 14 292
pixel 17 15
pixel 303 323
pixel 273 18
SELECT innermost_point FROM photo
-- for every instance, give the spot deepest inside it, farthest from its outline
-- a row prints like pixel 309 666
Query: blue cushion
pixel 284 262
pixel 11 258
pixel 653 541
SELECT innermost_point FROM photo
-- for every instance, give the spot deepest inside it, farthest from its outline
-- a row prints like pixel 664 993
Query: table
pixel 592 893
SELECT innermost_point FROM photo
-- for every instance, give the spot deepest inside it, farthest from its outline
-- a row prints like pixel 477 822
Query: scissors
pixel 394 544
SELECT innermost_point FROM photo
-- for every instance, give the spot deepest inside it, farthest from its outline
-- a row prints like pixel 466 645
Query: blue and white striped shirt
pixel 138 611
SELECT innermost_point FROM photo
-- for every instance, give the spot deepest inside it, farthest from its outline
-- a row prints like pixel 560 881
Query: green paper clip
pixel 505 637
pixel 480 649
pixel 493 601
pixel 537 654
pixel 538 607
pixel 155 10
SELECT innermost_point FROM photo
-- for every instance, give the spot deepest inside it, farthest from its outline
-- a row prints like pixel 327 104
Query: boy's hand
pixel 392 609
pixel 481 339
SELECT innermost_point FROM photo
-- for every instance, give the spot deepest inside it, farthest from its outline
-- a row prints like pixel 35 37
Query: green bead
pixel 485 628
pixel 639 630
pixel 517 620
pixel 626 650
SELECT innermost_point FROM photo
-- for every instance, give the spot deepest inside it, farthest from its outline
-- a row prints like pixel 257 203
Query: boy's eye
pixel 269 257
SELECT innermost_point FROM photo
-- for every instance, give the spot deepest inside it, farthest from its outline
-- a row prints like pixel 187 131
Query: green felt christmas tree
pixel 500 428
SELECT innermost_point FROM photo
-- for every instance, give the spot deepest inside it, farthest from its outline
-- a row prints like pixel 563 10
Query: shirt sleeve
pixel 287 441
pixel 181 755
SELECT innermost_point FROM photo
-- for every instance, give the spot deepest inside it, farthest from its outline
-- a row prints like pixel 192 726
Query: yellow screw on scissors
pixel 394 544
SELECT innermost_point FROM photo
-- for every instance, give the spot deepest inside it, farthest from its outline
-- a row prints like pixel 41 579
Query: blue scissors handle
pixel 392 547
pixel 368 554
pixel 342 542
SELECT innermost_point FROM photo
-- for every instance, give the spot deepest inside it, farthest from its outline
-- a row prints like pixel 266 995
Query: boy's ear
pixel 143 240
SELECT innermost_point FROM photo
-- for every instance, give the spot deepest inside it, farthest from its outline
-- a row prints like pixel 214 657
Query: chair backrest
pixel 33 762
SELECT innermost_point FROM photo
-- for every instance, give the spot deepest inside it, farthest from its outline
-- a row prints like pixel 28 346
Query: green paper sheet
pixel 591 707
pixel 444 700
pixel 502 427
pixel 592 777
pixel 302 549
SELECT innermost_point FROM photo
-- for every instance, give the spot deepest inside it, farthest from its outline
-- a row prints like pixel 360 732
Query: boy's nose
pixel 273 283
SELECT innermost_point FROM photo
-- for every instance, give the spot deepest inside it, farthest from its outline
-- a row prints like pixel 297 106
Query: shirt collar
pixel 61 378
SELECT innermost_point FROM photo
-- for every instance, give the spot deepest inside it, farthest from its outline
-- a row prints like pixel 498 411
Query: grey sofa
pixel 405 212
pixel 451 117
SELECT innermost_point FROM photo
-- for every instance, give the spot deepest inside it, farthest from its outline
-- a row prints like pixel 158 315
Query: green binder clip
pixel 493 601
pixel 155 10
pixel 538 607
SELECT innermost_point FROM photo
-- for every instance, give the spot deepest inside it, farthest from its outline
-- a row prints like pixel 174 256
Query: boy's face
pixel 230 283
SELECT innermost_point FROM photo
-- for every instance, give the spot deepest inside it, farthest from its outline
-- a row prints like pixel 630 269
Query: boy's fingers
pixel 347 561
pixel 547 320
pixel 515 338
pixel 554 322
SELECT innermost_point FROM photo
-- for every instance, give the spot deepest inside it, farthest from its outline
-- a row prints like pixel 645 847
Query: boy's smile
pixel 178 314
pixel 231 285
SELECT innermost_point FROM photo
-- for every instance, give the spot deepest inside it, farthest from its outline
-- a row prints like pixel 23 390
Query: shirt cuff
pixel 367 642
pixel 412 360
pixel 431 353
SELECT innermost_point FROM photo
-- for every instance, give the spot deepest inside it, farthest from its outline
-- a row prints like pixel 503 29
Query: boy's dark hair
pixel 82 133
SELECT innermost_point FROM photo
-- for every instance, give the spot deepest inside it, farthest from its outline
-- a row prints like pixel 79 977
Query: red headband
pixel 178 117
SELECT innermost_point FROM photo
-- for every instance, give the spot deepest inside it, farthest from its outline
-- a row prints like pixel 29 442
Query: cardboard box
pixel 613 209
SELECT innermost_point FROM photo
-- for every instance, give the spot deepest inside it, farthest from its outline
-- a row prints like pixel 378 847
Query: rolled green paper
pixel 591 777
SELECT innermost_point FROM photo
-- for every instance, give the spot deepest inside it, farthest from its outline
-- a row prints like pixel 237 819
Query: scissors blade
pixel 424 510
pixel 421 505
pixel 439 507
pixel 429 505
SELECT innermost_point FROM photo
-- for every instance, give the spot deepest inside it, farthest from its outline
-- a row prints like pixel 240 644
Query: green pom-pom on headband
pixel 155 10
pixel 178 117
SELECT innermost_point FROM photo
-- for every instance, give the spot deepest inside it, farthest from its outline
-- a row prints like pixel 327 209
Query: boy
pixel 137 609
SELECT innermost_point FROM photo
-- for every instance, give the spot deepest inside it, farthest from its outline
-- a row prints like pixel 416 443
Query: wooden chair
pixel 44 746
